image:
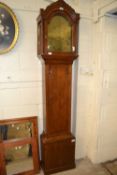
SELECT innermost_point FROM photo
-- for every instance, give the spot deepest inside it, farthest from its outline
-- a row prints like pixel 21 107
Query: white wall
pixel 20 69
pixel 85 83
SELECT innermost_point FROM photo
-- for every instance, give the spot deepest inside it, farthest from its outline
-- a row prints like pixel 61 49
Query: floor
pixel 18 166
pixel 85 167
pixel 111 167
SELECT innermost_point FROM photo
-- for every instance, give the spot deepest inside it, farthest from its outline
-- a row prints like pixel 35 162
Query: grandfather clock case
pixel 57 47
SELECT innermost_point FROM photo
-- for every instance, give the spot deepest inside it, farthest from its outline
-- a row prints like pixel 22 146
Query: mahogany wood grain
pixel 58 99
pixel 2 160
pixel 58 153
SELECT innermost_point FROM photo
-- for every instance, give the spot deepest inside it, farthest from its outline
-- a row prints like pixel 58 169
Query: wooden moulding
pixel 2 159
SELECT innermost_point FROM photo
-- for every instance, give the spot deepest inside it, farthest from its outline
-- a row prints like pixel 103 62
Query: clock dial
pixel 59 35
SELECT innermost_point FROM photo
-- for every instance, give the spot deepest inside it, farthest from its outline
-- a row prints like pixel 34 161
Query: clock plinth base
pixel 58 153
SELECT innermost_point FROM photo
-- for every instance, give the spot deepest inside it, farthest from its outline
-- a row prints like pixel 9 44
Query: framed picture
pixel 9 28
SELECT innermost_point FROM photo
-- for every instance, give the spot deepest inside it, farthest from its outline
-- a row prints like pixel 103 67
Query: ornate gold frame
pixel 16 26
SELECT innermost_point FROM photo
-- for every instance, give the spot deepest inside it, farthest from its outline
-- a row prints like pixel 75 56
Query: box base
pixel 58 153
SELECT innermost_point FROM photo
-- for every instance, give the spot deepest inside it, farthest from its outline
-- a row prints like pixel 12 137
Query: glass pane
pixel 59 35
pixel 19 159
pixel 15 131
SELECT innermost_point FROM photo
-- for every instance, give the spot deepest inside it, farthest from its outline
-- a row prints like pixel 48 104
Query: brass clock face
pixel 59 35
pixel 9 29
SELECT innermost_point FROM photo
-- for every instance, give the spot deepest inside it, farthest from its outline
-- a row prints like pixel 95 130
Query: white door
pixel 108 120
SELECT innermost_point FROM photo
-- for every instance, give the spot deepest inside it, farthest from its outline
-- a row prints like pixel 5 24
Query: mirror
pixel 19 159
pixel 19 151
pixel 15 131
pixel 59 35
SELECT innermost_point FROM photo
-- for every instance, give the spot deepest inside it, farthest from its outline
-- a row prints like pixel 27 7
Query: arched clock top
pixel 60 7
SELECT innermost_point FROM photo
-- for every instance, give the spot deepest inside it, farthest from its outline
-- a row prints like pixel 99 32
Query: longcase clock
pixel 57 46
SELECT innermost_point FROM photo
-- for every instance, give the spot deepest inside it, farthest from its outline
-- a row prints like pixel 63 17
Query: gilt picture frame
pixel 9 28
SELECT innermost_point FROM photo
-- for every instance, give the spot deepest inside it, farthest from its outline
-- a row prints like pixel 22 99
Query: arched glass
pixel 59 38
